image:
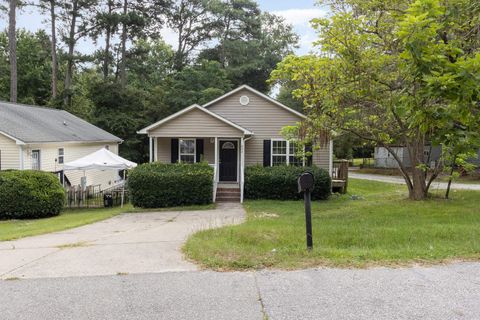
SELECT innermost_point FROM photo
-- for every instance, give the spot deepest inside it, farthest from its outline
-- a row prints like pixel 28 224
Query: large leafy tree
pixel 120 110
pixel 394 72
pixel 194 24
pixel 199 84
pixel 252 47
pixel 75 25
pixel 34 67
pixel 149 63
pixel 51 7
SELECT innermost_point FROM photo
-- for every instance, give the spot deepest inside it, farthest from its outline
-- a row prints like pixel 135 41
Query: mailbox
pixel 306 182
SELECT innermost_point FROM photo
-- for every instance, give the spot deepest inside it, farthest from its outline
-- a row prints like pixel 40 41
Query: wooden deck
pixel 340 176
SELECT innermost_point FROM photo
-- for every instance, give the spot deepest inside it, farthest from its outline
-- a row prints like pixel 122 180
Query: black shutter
pixel 199 150
pixel 174 151
pixel 267 152
pixel 309 149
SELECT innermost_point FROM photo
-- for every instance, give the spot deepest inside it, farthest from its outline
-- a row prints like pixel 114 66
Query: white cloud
pixel 169 36
pixel 300 17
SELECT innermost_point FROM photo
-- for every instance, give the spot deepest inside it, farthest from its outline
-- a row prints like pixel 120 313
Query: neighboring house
pixel 241 128
pixel 384 159
pixel 44 139
pixel 476 161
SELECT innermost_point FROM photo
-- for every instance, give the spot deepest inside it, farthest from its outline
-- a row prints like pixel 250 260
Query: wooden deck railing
pixel 340 175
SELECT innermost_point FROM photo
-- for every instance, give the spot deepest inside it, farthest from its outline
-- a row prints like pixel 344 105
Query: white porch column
pixel 215 170
pixel 150 145
pixel 155 149
pixel 330 164
pixel 242 168
pixel 22 161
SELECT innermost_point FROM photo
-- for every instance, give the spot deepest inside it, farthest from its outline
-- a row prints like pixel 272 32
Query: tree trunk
pixel 419 190
pixel 178 57
pixel 12 49
pixel 123 71
pixel 54 49
pixel 106 55
pixel 447 193
pixel 71 48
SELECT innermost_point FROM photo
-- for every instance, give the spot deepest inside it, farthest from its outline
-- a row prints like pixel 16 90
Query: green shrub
pixel 30 194
pixel 156 185
pixel 280 182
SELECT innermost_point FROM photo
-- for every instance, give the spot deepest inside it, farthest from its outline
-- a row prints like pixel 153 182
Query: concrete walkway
pixel 400 180
pixel 130 243
pixel 441 292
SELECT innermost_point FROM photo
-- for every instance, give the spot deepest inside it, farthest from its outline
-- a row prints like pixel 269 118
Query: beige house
pixel 44 139
pixel 239 129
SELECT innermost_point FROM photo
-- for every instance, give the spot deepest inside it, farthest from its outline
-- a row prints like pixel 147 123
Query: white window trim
pixel 188 154
pixel 63 155
pixel 288 155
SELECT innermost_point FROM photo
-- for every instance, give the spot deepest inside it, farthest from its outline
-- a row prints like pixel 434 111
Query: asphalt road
pixel 400 180
pixel 441 292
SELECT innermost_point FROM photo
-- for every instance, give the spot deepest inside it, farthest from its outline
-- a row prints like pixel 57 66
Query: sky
pixel 296 12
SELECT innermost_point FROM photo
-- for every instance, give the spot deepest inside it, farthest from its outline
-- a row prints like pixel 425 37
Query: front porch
pixel 226 155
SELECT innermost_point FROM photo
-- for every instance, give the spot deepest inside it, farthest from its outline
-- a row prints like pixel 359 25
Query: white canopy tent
pixel 102 159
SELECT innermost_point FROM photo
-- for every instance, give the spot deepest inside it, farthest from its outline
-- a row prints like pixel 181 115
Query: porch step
pixel 228 195
pixel 228 190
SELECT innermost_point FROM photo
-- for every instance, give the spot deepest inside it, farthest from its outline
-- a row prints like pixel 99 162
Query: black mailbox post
pixel 305 184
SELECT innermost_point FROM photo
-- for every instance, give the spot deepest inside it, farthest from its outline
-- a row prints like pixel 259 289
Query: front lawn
pixel 382 227
pixel 15 229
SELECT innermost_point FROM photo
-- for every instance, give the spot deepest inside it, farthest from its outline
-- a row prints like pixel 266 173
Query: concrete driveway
pixel 130 243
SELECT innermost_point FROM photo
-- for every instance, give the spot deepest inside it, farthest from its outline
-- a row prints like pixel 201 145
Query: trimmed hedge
pixel 30 194
pixel 280 182
pixel 157 185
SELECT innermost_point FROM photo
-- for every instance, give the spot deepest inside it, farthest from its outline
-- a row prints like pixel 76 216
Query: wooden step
pixel 228 195
pixel 228 190
pixel 227 199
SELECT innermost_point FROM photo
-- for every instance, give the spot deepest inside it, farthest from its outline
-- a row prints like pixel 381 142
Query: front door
pixel 228 160
pixel 35 159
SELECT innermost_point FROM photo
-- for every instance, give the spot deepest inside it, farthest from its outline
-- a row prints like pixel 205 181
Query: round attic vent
pixel 244 100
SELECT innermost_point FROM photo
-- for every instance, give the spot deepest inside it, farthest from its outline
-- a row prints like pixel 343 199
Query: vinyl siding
pixel 195 123
pixel 9 153
pixel 164 150
pixel 73 151
pixel 266 120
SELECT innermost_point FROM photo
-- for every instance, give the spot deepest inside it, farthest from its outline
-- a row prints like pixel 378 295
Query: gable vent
pixel 244 100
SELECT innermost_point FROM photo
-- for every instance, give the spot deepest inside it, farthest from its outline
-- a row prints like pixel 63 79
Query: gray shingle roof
pixel 31 124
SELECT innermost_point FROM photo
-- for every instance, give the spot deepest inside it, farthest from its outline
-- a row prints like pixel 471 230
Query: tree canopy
pixel 394 72
pixel 133 77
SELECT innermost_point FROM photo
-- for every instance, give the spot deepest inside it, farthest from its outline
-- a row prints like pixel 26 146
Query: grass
pixel 381 228
pixel 359 161
pixel 15 229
